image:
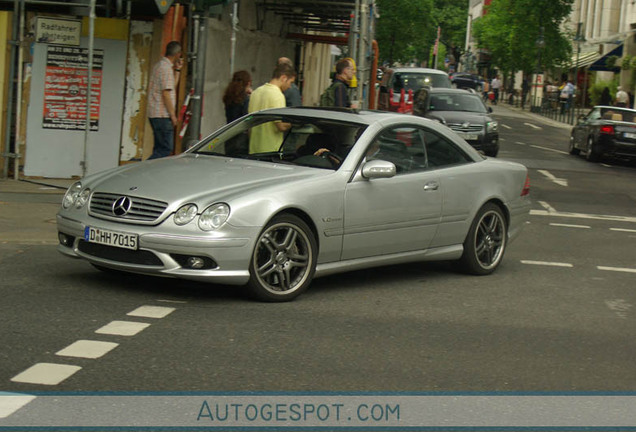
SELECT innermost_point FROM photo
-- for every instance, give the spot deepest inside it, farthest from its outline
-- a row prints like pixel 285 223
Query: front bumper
pixel 165 253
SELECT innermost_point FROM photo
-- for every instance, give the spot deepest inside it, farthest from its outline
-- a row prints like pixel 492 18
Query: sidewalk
pixel 504 109
pixel 28 209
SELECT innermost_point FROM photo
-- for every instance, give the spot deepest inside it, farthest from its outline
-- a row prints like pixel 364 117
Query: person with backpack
pixel 337 95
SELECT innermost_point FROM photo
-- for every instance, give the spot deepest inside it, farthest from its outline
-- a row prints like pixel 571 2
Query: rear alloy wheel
pixel 283 261
pixel 573 150
pixel 485 243
pixel 591 155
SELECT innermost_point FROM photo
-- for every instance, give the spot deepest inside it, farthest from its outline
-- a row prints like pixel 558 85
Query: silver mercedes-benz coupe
pixel 281 196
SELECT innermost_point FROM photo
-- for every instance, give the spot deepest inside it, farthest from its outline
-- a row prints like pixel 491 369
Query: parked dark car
pixel 467 80
pixel 407 78
pixel 464 112
pixel 605 130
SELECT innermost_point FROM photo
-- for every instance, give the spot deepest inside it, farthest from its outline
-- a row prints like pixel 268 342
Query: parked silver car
pixel 338 190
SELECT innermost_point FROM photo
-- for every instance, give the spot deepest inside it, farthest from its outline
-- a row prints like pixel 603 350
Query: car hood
pixel 189 177
pixel 459 116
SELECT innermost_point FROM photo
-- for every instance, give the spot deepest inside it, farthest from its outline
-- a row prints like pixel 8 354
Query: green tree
pixel 405 30
pixel 451 16
pixel 511 29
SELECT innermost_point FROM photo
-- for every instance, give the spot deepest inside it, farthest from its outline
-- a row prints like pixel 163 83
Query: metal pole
pixel 14 41
pixel 194 127
pixel 233 39
pixel 89 87
pixel 18 100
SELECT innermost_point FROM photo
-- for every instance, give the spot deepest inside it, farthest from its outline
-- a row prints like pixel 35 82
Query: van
pixel 408 78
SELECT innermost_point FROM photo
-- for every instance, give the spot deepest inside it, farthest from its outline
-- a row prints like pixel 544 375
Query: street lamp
pixel 540 44
pixel 578 39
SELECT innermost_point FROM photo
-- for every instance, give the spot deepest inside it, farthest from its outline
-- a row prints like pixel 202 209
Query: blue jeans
pixel 163 131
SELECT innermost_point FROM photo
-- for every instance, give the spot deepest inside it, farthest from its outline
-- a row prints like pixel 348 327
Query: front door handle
pixel 431 186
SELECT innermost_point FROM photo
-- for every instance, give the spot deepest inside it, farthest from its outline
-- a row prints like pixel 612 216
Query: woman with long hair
pixel 237 95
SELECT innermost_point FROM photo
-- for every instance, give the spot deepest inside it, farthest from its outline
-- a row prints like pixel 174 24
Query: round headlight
pixel 71 194
pixel 82 198
pixel 185 214
pixel 214 216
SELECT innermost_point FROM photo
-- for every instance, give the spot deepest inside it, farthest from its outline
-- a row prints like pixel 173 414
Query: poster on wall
pixel 65 88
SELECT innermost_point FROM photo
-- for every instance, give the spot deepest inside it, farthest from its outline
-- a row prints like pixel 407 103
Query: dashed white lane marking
pixel 582 216
pixel 46 373
pixel 533 126
pixel 506 126
pixel 549 149
pixel 547 206
pixel 122 328
pixel 619 306
pixel 623 230
pixel 617 269
pixel 520 143
pixel 553 178
pixel 87 349
pixel 171 301
pixel 547 263
pixel 11 402
pixel 151 311
pixel 570 225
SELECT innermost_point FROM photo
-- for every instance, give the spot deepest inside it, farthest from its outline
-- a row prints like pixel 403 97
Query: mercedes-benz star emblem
pixel 465 125
pixel 121 206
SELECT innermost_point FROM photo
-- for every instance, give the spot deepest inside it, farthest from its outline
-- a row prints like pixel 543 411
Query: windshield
pixel 457 102
pixel 416 80
pixel 298 140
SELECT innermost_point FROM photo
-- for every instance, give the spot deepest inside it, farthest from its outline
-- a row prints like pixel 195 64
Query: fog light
pixel 195 263
pixel 65 240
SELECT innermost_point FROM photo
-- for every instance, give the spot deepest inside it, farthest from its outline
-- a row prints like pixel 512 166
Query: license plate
pixel 630 135
pixel 469 137
pixel 111 238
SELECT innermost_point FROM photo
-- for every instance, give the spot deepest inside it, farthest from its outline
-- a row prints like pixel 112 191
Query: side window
pixel 595 114
pixel 403 146
pixel 441 152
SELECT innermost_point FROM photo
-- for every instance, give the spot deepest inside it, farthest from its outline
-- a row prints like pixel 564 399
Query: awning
pixel 584 59
pixel 601 63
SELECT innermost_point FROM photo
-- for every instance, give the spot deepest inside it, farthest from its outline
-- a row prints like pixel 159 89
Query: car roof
pixel 438 90
pixel 615 108
pixel 361 116
pixel 419 70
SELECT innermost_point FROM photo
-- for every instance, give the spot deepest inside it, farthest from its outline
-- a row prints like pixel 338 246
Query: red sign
pixel 66 85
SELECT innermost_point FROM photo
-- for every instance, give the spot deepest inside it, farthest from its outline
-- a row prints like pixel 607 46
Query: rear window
pixel 415 81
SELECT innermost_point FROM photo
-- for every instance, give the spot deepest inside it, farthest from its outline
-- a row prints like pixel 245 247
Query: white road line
pixel 533 126
pixel 46 373
pixel 623 230
pixel 547 263
pixel 151 311
pixel 11 402
pixel 583 216
pixel 547 206
pixel 122 328
pixel 617 269
pixel 171 301
pixel 571 226
pixel 506 126
pixel 87 349
pixel 607 166
pixel 520 143
pixel 553 178
pixel 550 149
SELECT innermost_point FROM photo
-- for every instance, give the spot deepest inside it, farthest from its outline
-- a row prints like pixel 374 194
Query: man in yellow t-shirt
pixel 268 137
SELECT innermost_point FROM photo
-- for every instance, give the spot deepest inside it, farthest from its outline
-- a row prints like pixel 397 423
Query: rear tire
pixel 284 260
pixel 486 241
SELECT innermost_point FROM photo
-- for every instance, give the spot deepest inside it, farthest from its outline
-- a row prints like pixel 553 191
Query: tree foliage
pixel 511 30
pixel 405 30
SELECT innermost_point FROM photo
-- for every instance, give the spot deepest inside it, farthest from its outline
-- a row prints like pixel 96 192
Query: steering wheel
pixel 331 157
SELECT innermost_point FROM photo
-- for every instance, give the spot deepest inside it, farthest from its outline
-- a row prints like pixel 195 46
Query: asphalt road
pixel 558 315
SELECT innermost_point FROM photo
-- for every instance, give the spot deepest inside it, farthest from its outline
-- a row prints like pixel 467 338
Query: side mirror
pixel 378 169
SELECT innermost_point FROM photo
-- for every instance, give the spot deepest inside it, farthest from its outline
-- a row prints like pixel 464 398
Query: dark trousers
pixel 163 131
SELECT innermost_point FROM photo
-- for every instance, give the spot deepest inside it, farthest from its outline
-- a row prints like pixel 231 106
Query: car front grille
pixel 458 127
pixel 111 253
pixel 142 209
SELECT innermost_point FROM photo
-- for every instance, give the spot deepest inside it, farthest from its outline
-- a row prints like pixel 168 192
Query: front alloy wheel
pixel 485 243
pixel 283 261
pixel 573 150
pixel 591 155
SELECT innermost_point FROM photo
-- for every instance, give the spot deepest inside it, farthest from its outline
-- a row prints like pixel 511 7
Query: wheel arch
pixel 504 208
pixel 302 215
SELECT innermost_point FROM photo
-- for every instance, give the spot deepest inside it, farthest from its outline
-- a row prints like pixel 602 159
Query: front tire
pixel 486 241
pixel 591 155
pixel 573 150
pixel 284 260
